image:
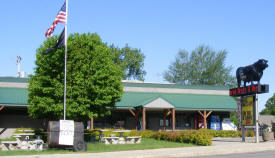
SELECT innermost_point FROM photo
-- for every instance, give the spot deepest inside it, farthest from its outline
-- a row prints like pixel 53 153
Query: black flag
pixel 59 43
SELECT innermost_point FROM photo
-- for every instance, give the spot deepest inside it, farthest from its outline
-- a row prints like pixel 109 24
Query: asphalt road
pixel 264 154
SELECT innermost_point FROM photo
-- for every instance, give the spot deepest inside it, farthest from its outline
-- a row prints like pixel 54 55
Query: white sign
pixel 66 134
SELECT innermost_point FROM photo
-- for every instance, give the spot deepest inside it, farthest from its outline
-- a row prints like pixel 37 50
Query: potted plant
pixel 268 135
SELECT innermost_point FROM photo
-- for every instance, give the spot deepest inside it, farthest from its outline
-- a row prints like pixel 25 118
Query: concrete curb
pixel 220 149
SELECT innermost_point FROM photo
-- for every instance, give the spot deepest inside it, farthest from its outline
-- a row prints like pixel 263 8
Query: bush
pixel 188 136
pixel 226 134
pixel 249 133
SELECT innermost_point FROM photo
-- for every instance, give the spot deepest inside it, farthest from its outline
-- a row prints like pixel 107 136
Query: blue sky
pixel 160 28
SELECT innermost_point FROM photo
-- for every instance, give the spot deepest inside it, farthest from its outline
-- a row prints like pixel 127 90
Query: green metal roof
pixel 18 96
pixel 179 101
pixel 14 79
pixel 13 96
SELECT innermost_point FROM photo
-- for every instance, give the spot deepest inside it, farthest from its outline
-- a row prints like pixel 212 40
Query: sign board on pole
pixel 248 110
pixel 249 90
pixel 66 134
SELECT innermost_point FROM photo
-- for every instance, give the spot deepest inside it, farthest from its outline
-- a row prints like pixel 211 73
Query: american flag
pixel 60 18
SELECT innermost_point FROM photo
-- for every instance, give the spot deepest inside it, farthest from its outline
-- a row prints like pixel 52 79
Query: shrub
pixel 249 133
pixel 226 134
pixel 188 136
pixel 199 137
pixel 147 134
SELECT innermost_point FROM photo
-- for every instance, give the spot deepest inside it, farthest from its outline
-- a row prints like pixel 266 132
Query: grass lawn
pixel 100 147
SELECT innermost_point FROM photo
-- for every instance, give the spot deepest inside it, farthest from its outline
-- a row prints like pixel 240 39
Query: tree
pixel 131 61
pixel 204 66
pixel 93 80
pixel 234 117
pixel 269 106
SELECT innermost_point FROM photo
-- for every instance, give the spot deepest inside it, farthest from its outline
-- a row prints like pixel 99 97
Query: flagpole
pixel 65 61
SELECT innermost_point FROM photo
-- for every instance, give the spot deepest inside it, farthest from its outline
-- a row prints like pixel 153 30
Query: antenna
pixel 18 66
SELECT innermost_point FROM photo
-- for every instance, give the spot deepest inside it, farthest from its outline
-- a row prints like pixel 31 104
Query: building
pixel 154 106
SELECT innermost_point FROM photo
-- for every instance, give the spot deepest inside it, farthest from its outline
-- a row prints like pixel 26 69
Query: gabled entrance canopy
pixel 159 103
pixel 154 103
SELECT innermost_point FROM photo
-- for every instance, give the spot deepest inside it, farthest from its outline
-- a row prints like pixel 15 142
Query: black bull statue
pixel 252 72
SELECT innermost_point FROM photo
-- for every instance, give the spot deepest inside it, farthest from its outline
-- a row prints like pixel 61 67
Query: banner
pixel 248 117
pixel 66 134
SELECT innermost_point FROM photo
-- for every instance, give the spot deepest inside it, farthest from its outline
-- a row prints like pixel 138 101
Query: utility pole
pixel 18 66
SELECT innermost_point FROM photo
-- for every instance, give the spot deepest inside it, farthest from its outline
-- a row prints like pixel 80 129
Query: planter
pixel 268 136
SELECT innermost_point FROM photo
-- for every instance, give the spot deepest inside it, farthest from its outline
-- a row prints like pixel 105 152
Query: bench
pixel 36 145
pixel 9 145
pixel 110 140
pixel 133 140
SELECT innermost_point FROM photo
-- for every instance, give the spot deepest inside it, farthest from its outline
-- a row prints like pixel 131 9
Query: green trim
pixel 175 86
pixel 14 105
pixel 181 109
pixel 179 101
pixel 13 96
pixel 14 79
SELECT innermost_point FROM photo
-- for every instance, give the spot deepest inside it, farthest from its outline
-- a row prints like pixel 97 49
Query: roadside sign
pixel 66 135
pixel 248 110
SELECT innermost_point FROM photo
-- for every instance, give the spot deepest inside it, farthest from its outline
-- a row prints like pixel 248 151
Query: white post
pixel 65 60
pixel 18 66
pixel 257 119
pixel 242 126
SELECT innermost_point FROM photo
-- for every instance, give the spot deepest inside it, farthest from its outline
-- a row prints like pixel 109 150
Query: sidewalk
pixel 220 146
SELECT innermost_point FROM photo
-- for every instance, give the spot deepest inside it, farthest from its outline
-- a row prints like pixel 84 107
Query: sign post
pixel 249 106
pixel 249 94
pixel 257 118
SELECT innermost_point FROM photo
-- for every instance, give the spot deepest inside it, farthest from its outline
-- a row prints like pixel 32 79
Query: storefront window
pixel 162 124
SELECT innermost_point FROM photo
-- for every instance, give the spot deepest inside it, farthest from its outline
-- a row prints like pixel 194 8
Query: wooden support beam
pixel 143 118
pixel 1 107
pixel 164 119
pixel 92 123
pixel 200 113
pixel 209 113
pixel 173 119
pixel 166 113
pixel 136 115
pixel 204 119
pixel 205 115
pixel 132 112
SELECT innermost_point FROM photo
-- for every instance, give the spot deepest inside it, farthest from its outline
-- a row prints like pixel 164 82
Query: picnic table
pixel 23 142
pixel 121 132
pixel 23 136
pixel 121 139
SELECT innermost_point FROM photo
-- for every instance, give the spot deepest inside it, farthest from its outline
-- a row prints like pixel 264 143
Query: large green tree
pixel 269 106
pixel 203 66
pixel 93 79
pixel 131 61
